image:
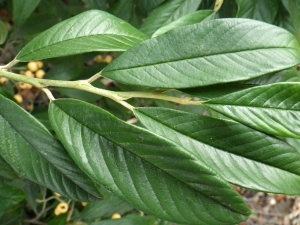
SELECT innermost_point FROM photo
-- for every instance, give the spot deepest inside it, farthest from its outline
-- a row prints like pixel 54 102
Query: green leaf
pixel 9 197
pixel 293 7
pixel 89 31
pixel 273 109
pixel 35 154
pixel 3 32
pixel 59 220
pixel 143 169
pixel 66 68
pixel 148 5
pixel 22 10
pixel 167 12
pixel 122 9
pixel 263 10
pixel 104 208
pixel 211 52
pixel 241 155
pixel 96 4
pixel 129 220
pixel 6 171
pixel 212 91
pixel 192 18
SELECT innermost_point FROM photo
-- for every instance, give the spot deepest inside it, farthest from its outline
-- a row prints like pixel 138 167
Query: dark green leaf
pixel 13 216
pixel 263 10
pixel 104 208
pixel 148 5
pixel 59 220
pixel 9 197
pixel 192 18
pixel 149 172
pixel 274 108
pixel 35 154
pixel 96 4
pixel 122 9
pixel 6 171
pixel 241 155
pixel 167 12
pixel 93 30
pixel 130 220
pixel 66 68
pixel 293 7
pixel 22 10
pixel 211 52
pixel 3 32
pixel 212 91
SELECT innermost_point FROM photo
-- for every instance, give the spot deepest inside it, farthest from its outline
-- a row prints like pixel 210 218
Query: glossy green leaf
pixel 143 169
pixel 241 155
pixel 22 10
pixel 89 31
pixel 6 171
pixel 148 5
pixel 211 52
pixel 192 18
pixel 212 91
pixel 263 10
pixel 167 12
pixel 35 154
pixel 3 32
pixel 274 108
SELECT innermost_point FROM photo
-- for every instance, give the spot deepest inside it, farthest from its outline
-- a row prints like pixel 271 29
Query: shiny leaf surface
pixel 147 171
pixel 274 108
pixel 241 155
pixel 212 52
pixel 35 154
pixel 89 31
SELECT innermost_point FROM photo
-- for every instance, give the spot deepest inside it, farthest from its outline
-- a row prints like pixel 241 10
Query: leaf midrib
pixel 197 57
pixel 172 128
pixel 178 180
pixel 72 39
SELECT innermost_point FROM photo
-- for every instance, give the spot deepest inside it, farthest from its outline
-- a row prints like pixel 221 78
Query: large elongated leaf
pixel 148 5
pixel 93 30
pixel 22 10
pixel 35 154
pixel 6 171
pixel 240 154
pixel 143 169
pixel 168 12
pixel 192 18
pixel 274 108
pixel 216 51
pixel 264 10
pixel 3 32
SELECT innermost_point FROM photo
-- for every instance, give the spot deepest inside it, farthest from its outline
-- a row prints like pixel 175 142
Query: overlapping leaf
pixel 3 32
pixel 142 168
pixel 167 12
pixel 241 155
pixel 22 10
pixel 274 108
pixel 212 52
pixel 263 10
pixel 35 154
pixel 92 30
pixel 192 18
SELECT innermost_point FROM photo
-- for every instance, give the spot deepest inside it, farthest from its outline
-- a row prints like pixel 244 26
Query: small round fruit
pixel 40 74
pixel 116 216
pixel 3 80
pixel 99 58
pixel 84 204
pixel 32 66
pixel 18 98
pixel 61 208
pixel 108 59
pixel 57 194
pixel 24 86
pixel 28 73
pixel 40 64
